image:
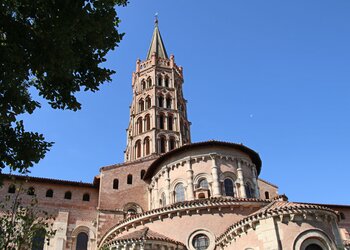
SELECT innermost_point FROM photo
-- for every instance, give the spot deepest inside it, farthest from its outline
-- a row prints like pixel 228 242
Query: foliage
pixel 23 223
pixel 55 48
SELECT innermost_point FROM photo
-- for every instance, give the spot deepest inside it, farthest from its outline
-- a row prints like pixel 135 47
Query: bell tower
pixel 158 114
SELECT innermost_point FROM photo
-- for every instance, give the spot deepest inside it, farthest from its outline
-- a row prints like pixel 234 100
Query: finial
pixel 156 19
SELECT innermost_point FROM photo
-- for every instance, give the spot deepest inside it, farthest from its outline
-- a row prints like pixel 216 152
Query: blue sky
pixel 273 75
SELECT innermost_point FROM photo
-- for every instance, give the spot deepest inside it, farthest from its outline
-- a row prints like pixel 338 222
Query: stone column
pixel 155 190
pixel 215 176
pixel 190 191
pixel 240 179
pixel 255 182
pixel 167 191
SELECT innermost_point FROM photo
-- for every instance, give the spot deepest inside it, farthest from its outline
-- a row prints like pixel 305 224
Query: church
pixel 172 194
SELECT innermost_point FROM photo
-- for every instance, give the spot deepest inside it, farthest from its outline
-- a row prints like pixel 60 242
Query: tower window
pixel 160 101
pixel 170 122
pixel 162 144
pixel 49 193
pixel 143 173
pixel 342 216
pixel 168 102
pixel 161 121
pixel 86 197
pixel 139 125
pixel 138 149
pixel 12 189
pixel 68 195
pixel 31 191
pixel 129 179
pixel 143 85
pixel 147 122
pixel 166 82
pixel 115 184
pixel 162 201
pixel 148 102
pixel 149 82
pixel 146 146
pixel 229 188
pixel 171 143
pixel 160 80
pixel 141 105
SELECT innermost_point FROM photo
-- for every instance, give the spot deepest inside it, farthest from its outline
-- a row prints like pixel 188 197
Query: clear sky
pixel 273 75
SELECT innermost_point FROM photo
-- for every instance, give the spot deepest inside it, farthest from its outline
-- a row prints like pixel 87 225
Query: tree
pixel 22 224
pixel 55 48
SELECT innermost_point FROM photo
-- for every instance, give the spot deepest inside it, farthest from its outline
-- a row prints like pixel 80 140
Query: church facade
pixel 171 193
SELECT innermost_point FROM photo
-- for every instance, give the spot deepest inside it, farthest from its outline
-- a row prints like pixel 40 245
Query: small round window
pixel 200 242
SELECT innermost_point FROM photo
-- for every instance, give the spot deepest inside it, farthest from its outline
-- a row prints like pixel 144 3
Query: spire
pixel 157 44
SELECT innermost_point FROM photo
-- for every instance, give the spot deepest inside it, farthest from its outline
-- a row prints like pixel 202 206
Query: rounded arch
pixel 249 189
pixel 146 145
pixel 172 143
pixel 143 84
pixel 147 122
pixel 139 125
pixel 313 236
pixel 149 81
pixel 159 80
pixel 82 229
pixel 141 105
pixel 160 99
pixel 148 102
pixel 166 81
pixel 162 144
pixel 132 206
pixel 138 149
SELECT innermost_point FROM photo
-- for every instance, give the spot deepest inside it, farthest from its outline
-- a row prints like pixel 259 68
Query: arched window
pixel 86 197
pixel 161 121
pixel 249 190
pixel 49 193
pixel 149 82
pixel 160 80
pixel 139 125
pixel 68 195
pixel 31 191
pixel 162 144
pixel 147 122
pixel 170 122
pixel 162 201
pixel 115 184
pixel 179 192
pixel 168 102
pixel 143 85
pixel 161 101
pixel 166 82
pixel 229 187
pixel 82 241
pixel 203 183
pixel 141 105
pixel 129 179
pixel 142 173
pixel 171 143
pixel 146 144
pixel 138 149
pixel 313 246
pixel 267 195
pixel 38 239
pixel 12 189
pixel 148 102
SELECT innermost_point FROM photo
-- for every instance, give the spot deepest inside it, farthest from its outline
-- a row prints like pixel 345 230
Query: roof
pixel 147 234
pixel 47 180
pixel 157 45
pixel 252 154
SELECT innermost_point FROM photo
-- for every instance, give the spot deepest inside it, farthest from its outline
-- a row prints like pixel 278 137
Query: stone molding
pixel 294 212
pixel 178 209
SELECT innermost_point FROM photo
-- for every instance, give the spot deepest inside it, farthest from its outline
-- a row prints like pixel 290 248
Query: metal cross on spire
pixel 156 18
